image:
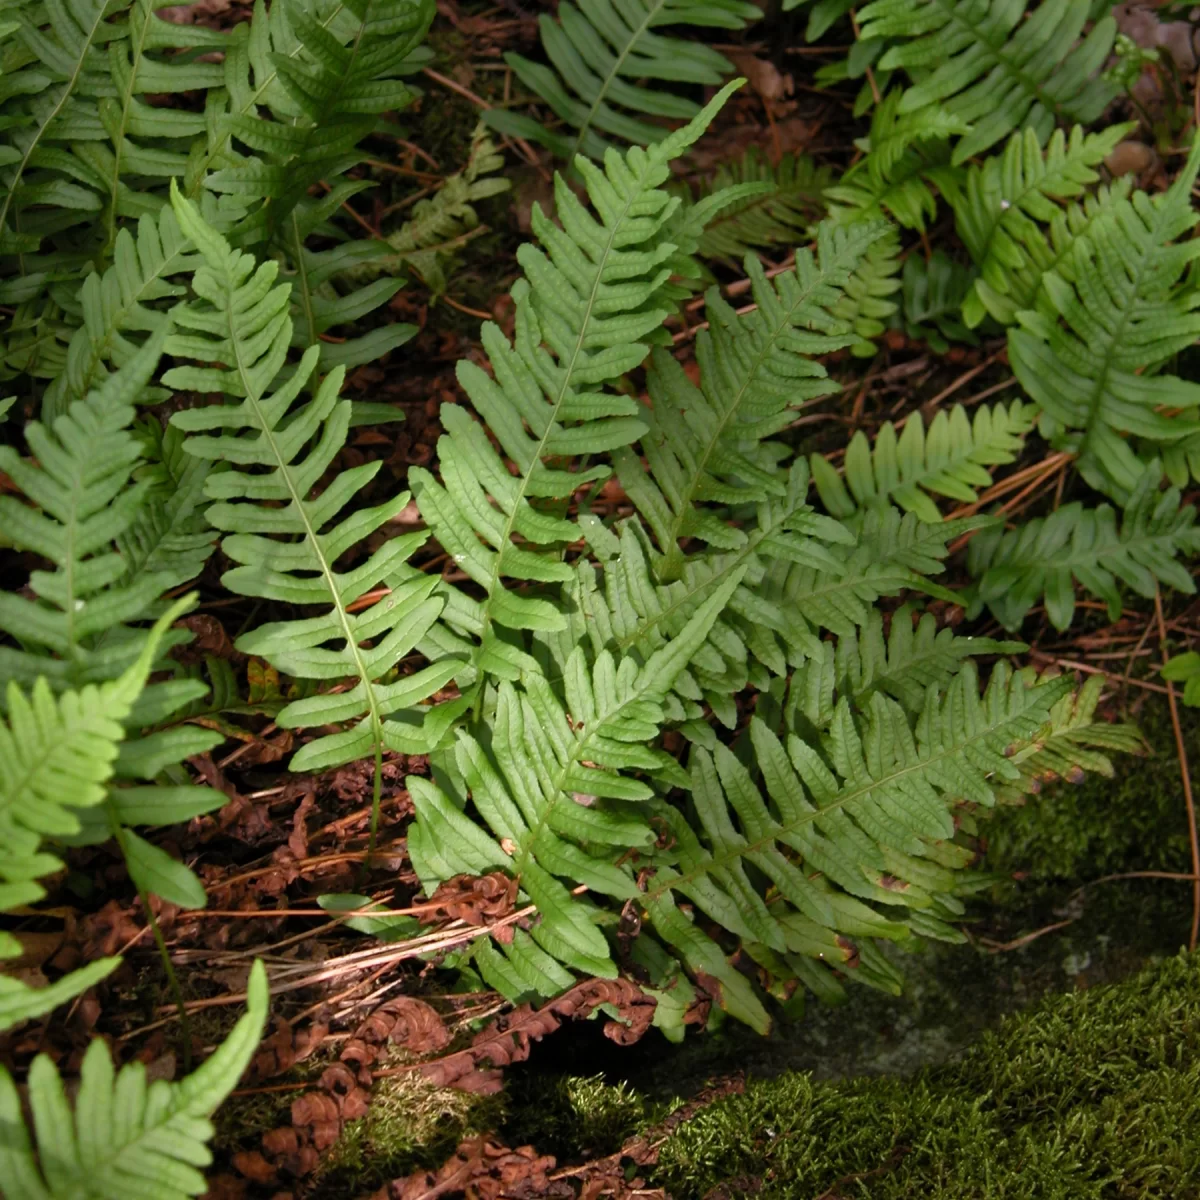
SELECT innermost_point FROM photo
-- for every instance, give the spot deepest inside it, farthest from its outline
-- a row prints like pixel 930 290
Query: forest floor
pixel 330 1109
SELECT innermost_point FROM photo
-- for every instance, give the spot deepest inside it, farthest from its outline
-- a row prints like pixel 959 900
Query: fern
pixel 124 1138
pixel 933 294
pixel 1185 669
pixel 1091 354
pixel 860 818
pixel 547 786
pixel 904 154
pixel 987 64
pixel 284 539
pixel 949 459
pixel 790 199
pixel 581 313
pixel 444 222
pixel 1046 558
pixel 702 442
pixel 1005 200
pixel 865 305
pixel 57 756
pixel 597 50
pixel 1072 744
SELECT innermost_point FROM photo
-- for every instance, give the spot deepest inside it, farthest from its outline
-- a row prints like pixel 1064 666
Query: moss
pixel 409 1126
pixel 1090 1094
pixel 575 1117
pixel 1135 821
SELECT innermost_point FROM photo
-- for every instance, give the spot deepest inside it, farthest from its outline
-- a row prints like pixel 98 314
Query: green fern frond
pixel 124 1139
pixel 1091 354
pixel 933 294
pixel 286 551
pixel 949 459
pixel 623 609
pixel 76 628
pixel 57 754
pixel 446 221
pixel 600 52
pixel 791 199
pixel 915 656
pixel 1016 286
pixel 1045 559
pixel 703 444
pixel 1072 744
pixel 904 154
pixel 1004 201
pixel 585 312
pixel 992 65
pixel 865 306
pixel 117 303
pixel 1185 669
pixel 857 820
pixel 19 1002
pixel 324 101
pixel 548 786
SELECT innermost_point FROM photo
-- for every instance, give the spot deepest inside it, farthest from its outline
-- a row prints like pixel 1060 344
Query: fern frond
pixel 76 628
pixel 19 1002
pixel 623 609
pixel 1006 199
pixel 865 306
pixel 949 459
pixel 791 199
pixel 547 784
pixel 702 443
pixel 904 153
pixel 117 303
pixel 124 1139
pixel 933 293
pixel 287 551
pixel 324 100
pixel 1072 744
pixel 854 821
pixel 914 656
pixel 1185 669
pixel 1091 354
pixel 600 52
pixel 445 221
pixel 992 65
pixel 585 312
pixel 1045 559
pixel 57 754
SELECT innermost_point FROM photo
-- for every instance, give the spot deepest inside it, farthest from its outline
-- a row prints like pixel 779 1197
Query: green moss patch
pixel 1090 1094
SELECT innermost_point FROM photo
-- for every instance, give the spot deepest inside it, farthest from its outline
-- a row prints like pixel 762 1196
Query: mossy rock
pixel 1092 1094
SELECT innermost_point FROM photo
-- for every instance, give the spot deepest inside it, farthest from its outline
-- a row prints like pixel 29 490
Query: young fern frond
pixel 123 1139
pixel 548 786
pixel 286 540
pixel 791 199
pixel 1044 559
pixel 703 444
pixel 1091 354
pixel 1004 201
pixel 599 53
pixel 949 459
pixel 986 63
pixel 585 312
